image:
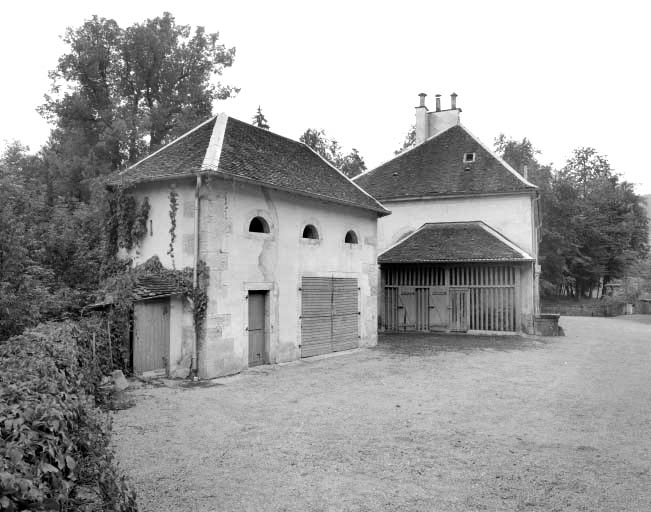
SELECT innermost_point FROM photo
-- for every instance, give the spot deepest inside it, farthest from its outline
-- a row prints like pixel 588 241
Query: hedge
pixel 54 440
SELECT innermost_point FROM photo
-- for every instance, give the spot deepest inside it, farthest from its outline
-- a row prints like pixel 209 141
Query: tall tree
pixel 118 94
pixel 522 155
pixel 409 142
pixel 25 284
pixel 260 120
pixel 593 226
pixel 611 227
pixel 350 164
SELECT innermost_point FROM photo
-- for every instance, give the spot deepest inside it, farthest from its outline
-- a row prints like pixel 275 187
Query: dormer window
pixel 468 158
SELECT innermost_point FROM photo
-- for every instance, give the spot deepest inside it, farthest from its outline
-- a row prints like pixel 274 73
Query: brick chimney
pixel 429 124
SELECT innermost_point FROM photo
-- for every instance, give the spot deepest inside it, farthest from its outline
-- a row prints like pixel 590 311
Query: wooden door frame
pixel 268 289
pixel 133 335
pixel 265 321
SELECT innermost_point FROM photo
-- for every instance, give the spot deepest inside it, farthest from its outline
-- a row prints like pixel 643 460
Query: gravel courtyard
pixel 420 423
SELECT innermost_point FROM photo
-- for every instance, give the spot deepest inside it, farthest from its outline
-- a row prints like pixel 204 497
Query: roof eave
pixel 472 260
pixel 159 296
pixel 382 212
pixel 454 195
pixel 211 172
pixel 125 181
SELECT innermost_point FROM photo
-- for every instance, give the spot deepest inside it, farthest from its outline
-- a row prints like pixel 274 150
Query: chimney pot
pixel 453 101
pixel 438 102
pixel 422 96
pixel 525 172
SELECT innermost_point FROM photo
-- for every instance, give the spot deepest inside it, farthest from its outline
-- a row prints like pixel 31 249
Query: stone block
pixel 119 380
pixel 188 209
pixel 188 244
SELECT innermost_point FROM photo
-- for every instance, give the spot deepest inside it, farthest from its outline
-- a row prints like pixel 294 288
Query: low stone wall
pixel 583 308
pixel 642 307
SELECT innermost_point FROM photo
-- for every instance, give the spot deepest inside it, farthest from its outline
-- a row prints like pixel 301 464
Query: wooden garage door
pixel 151 335
pixel 329 315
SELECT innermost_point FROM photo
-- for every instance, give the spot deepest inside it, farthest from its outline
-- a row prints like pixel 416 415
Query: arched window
pixel 310 232
pixel 351 237
pixel 258 225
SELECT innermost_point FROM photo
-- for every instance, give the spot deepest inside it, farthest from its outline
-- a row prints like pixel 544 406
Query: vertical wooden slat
pixel 498 291
pixel 502 312
pixel 516 299
pixel 507 324
pixel 494 301
pixel 482 325
pixel 509 310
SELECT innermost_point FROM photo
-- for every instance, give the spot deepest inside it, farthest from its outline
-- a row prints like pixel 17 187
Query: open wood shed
pixel 459 276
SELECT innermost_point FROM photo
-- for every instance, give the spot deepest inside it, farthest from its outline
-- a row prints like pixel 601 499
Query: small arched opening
pixel 351 237
pixel 310 231
pixel 258 225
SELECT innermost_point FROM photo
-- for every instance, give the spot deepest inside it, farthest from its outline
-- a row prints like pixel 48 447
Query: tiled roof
pixel 436 168
pixel 263 156
pixel 152 286
pixel 453 242
pixel 228 147
pixel 180 157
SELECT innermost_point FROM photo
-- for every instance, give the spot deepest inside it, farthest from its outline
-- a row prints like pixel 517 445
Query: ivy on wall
pixel 126 223
pixel 174 207
pixel 199 297
pixel 121 289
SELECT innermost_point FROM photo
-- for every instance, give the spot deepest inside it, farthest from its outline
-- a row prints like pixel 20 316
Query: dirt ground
pixel 420 423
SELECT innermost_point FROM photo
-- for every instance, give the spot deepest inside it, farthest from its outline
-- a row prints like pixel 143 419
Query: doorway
pixel 151 335
pixel 257 327
pixel 459 309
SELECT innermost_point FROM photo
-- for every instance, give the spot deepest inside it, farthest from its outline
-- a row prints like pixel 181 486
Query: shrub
pixel 54 442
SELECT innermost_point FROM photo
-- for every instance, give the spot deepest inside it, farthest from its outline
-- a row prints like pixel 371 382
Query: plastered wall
pixel 240 261
pixel 510 215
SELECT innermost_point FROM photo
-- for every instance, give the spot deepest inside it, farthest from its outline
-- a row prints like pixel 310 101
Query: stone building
pixel 459 250
pixel 289 241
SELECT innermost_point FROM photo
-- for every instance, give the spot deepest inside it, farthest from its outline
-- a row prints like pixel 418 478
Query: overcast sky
pixel 564 74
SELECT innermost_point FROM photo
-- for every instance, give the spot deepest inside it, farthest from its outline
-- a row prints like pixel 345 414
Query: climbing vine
pixel 199 295
pixel 126 220
pixel 122 289
pixel 174 207
pixel 139 228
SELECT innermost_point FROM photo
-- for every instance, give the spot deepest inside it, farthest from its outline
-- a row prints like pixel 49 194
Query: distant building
pixel 459 251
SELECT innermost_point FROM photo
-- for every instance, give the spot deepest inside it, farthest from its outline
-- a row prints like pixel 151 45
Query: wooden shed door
pixel 151 340
pixel 329 315
pixel 256 327
pixel 459 309
pixel 438 308
pixel 345 314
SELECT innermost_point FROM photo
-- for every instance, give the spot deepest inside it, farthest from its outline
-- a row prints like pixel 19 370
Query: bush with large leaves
pixel 54 448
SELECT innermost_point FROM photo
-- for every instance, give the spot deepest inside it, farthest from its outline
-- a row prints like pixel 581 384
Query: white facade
pixel 512 215
pixel 241 261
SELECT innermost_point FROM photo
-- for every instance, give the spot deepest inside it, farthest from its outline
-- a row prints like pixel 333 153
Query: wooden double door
pixel 329 315
pixel 426 308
